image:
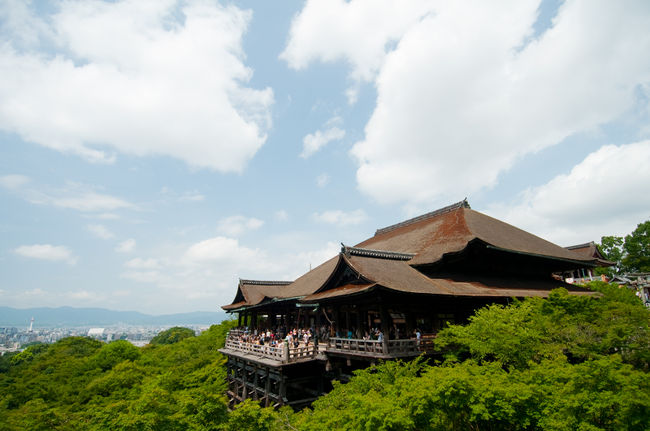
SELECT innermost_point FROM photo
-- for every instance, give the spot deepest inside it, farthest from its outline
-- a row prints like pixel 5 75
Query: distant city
pixel 17 330
pixel 13 339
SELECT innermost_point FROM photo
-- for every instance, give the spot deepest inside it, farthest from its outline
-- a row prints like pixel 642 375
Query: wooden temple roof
pixel 253 292
pixel 590 249
pixel 389 259
pixel 399 276
pixel 430 236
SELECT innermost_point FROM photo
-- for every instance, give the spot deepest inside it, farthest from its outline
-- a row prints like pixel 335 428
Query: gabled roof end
pixel 440 211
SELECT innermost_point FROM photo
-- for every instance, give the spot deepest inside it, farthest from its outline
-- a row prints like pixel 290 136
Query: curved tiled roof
pixel 590 249
pixel 253 292
pixel 437 234
pixel 387 261
pixel 399 276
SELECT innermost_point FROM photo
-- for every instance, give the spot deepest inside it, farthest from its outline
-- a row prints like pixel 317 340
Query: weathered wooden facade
pixel 402 285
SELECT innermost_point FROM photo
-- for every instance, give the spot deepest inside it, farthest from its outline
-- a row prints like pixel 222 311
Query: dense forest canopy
pixel 562 363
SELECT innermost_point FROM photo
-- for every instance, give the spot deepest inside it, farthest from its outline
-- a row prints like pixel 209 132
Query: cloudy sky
pixel 153 152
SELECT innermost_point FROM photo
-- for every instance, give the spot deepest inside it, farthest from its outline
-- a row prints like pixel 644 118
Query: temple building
pixel 584 275
pixel 384 298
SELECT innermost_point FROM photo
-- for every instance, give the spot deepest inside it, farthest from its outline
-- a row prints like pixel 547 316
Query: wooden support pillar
pixel 267 387
pixel 282 389
pixel 317 329
pixel 385 321
pixel 348 329
pixel 365 322
pixel 410 324
pixel 337 319
pixel 244 379
pixel 239 319
pixel 357 319
pixel 272 320
pixel 255 396
pixel 385 325
pixel 285 351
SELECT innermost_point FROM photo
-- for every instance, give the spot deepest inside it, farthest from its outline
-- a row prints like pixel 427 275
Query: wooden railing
pixel 374 348
pixel 404 347
pixel 281 352
pixel 267 351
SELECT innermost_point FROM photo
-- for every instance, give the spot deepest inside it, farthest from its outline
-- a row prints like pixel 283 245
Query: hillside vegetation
pixel 564 363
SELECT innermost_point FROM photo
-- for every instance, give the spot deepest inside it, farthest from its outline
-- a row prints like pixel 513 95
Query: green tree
pixel 172 335
pixel 637 249
pixel 115 352
pixel 250 416
pixel 612 248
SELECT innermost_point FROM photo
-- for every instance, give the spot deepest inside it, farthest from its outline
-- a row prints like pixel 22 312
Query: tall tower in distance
pixel 31 325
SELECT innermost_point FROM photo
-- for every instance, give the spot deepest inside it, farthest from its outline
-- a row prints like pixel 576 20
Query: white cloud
pixel 126 246
pixel 46 252
pixel 317 140
pixel 468 90
pixel 206 271
pixel 76 196
pixel 144 276
pixel 192 197
pixel 13 182
pixel 341 218
pixel 605 194
pixel 100 231
pixel 281 215
pixel 322 180
pixel 139 263
pixel 188 196
pixel 313 258
pixel 80 200
pixel 82 294
pixel 143 78
pixel 103 216
pixel 236 225
pixel 219 249
pixel 357 31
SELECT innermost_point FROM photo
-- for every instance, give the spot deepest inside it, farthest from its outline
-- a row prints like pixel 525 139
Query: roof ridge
pixel 265 282
pixel 382 254
pixel 586 244
pixel 440 211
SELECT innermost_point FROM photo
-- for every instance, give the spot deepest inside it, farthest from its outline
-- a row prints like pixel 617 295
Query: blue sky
pixel 153 152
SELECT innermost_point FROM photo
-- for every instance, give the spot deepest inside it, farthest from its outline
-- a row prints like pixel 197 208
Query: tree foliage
pixel 172 335
pixel 637 249
pixel 630 254
pixel 611 248
pixel 563 363
pixel 83 384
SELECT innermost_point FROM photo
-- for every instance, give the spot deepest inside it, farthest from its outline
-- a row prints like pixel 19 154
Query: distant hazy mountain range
pixel 69 316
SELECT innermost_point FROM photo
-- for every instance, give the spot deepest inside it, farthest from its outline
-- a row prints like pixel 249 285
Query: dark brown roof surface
pixel 590 249
pixel 346 290
pixel 400 276
pixel 450 231
pixel 314 279
pixel 385 259
pixel 252 292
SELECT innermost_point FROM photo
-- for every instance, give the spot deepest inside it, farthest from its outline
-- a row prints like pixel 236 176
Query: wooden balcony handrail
pixel 281 352
pixel 402 347
pixel 284 353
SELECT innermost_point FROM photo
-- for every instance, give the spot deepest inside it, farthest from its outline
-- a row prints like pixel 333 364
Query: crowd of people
pixel 305 336
pixel 294 337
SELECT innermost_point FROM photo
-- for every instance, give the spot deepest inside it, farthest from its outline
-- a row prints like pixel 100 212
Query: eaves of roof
pixel 591 263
